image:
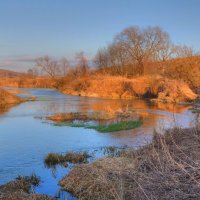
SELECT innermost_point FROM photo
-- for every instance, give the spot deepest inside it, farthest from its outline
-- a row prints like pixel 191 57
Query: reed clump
pixel 91 116
pixel 22 189
pixel 54 159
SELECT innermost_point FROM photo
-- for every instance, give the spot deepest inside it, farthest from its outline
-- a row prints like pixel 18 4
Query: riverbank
pixel 7 99
pixel 115 87
pixel 28 82
pixel 167 168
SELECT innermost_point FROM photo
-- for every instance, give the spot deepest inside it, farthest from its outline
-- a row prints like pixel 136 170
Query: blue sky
pixel 32 28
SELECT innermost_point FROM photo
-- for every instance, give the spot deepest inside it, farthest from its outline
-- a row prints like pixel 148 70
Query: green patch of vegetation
pixel 119 126
pixel 43 99
pixel 53 159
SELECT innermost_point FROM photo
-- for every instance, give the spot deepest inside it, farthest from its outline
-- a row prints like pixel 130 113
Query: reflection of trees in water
pixel 122 105
pixel 176 108
pixel 4 109
pixel 143 110
pixel 82 104
pixel 146 111
pixel 118 105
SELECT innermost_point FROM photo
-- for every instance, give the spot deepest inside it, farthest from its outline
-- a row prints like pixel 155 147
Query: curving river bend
pixel 25 140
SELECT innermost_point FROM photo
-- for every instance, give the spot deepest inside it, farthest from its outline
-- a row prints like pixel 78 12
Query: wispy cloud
pixel 17 62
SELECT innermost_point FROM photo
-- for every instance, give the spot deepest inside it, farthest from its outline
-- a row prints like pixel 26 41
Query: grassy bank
pixel 28 82
pixel 116 87
pixel 106 86
pixel 168 168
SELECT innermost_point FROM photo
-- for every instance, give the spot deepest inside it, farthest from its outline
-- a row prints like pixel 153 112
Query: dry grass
pixel 169 168
pixel 8 99
pixel 65 117
pixel 116 87
pixel 186 69
pixel 196 106
pixel 92 116
pixel 20 190
pixel 53 159
pixel 28 82
pixel 17 92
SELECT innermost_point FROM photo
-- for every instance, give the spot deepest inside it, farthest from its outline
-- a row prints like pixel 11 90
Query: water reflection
pixel 4 109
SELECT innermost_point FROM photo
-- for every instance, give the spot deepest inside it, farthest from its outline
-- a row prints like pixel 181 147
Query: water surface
pixel 25 140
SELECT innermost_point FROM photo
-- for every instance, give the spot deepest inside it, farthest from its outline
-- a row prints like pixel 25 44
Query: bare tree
pixel 102 59
pixel 118 57
pixel 48 65
pixel 183 51
pixel 143 45
pixel 64 66
pixel 82 63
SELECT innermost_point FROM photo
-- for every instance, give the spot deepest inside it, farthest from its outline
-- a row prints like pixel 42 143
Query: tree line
pixel 60 68
pixel 133 52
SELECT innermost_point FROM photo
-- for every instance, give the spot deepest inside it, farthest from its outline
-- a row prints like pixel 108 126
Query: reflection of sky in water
pixel 25 140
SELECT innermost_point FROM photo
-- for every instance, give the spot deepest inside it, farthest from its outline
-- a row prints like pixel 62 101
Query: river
pixel 25 139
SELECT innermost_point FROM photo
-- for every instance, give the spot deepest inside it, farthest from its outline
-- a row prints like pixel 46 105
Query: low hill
pixel 9 74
